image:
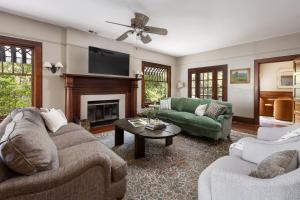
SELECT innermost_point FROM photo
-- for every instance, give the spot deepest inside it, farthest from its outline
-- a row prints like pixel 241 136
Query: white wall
pixel 240 95
pixel 77 55
pixel 269 75
pixel 53 39
pixel 71 48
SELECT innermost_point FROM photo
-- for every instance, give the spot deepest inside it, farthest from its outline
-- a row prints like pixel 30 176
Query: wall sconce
pixel 180 85
pixel 138 74
pixel 53 67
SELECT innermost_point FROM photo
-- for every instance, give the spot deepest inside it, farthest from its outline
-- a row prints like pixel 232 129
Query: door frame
pixel 223 68
pixel 257 64
pixel 37 71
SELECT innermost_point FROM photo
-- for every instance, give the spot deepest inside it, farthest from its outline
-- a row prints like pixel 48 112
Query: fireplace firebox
pixel 103 112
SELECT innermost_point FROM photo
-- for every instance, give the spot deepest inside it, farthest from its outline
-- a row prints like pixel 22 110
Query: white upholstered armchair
pixel 228 177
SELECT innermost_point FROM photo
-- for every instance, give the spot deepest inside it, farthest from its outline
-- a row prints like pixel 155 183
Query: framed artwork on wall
pixel 285 78
pixel 239 76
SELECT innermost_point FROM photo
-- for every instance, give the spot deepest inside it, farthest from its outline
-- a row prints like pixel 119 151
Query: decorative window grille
pixel 156 82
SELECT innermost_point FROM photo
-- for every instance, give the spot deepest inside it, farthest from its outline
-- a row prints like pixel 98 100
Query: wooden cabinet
pixel 296 90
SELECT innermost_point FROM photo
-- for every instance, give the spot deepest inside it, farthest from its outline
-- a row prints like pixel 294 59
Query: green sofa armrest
pixel 221 118
pixel 226 122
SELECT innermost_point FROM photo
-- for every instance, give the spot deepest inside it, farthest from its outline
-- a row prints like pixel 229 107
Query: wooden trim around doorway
pixel 257 80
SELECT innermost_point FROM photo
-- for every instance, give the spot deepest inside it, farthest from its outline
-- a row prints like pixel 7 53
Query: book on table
pixel 138 122
pixel 154 127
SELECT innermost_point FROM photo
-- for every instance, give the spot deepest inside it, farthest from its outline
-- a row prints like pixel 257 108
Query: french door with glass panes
pixel 208 82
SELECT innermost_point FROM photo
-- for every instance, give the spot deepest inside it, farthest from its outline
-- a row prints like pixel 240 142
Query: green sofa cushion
pixel 204 122
pixel 181 117
pixel 190 105
pixel 165 113
pixel 177 103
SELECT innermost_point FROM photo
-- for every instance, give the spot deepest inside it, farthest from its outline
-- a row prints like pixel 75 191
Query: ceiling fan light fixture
pixel 129 33
pixel 139 28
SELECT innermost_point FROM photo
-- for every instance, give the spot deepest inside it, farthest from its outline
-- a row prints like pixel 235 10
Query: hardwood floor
pixel 245 127
pixel 251 128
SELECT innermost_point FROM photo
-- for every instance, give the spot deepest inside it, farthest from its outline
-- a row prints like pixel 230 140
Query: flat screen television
pixel 103 61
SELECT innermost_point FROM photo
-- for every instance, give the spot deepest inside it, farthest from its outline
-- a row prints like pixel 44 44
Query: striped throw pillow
pixel 165 104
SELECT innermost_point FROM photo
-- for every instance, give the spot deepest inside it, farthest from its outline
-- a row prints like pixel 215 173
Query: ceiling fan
pixel 138 26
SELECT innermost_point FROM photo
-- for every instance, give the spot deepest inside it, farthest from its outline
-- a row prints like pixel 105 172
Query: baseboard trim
pixel 244 119
pixel 101 129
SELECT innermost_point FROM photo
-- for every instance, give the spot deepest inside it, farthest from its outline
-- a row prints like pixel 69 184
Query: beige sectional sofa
pixel 87 170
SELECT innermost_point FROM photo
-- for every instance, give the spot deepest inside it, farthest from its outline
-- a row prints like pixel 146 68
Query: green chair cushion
pixel 204 122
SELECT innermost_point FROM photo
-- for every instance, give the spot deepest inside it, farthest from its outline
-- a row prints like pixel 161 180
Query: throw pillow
pixel 26 148
pixel 200 110
pixel 54 120
pixel 165 104
pixel 276 164
pixel 61 113
pixel 31 114
pixel 3 124
pixel 214 110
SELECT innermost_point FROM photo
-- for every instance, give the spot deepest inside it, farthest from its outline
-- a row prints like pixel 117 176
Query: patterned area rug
pixel 168 172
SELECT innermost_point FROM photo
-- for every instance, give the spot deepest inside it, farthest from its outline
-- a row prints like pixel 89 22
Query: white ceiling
pixel 194 25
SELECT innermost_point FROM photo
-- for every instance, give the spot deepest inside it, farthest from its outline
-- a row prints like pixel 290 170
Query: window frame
pixel 156 65
pixel 214 70
pixel 37 72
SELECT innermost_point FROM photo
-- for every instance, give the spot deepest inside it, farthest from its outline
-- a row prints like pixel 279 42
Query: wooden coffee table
pixel 140 134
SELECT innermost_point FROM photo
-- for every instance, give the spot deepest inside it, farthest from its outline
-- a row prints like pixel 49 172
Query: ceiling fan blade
pixel 118 24
pixel 146 39
pixel 140 20
pixel 156 30
pixel 124 35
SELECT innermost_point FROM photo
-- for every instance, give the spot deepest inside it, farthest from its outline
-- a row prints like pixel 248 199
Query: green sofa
pixel 182 113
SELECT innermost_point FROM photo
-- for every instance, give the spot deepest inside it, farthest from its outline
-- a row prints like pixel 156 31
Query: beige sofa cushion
pixel 26 147
pixel 118 165
pixel 72 138
pixel 5 172
pixel 70 127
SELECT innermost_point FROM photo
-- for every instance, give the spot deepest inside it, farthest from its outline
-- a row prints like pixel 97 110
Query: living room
pixel 195 76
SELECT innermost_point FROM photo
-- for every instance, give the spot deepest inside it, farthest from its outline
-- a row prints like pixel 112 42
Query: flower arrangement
pixel 150 113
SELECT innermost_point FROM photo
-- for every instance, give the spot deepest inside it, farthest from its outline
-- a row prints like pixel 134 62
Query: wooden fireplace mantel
pixel 77 85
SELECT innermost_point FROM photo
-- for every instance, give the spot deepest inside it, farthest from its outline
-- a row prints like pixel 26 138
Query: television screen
pixel 102 61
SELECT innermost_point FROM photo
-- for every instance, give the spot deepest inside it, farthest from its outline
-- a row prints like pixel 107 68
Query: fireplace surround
pixel 77 85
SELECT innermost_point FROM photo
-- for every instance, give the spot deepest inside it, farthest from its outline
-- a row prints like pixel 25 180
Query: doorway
pixel 264 100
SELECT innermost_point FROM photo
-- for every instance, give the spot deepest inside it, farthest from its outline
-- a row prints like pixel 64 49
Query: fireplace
pixel 80 89
pixel 102 112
